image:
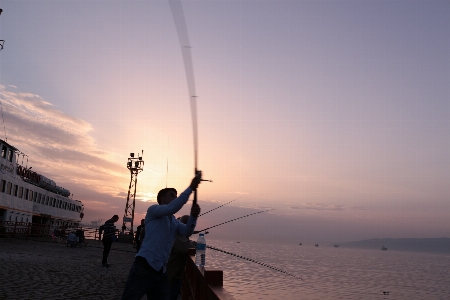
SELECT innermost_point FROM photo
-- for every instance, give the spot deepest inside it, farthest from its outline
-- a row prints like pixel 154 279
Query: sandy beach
pixel 41 269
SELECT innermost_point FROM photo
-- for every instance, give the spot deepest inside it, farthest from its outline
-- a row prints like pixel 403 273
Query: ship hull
pixel 22 199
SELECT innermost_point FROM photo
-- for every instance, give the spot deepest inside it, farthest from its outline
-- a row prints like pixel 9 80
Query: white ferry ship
pixel 29 197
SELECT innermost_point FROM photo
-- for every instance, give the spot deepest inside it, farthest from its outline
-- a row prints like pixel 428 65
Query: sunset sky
pixel 336 114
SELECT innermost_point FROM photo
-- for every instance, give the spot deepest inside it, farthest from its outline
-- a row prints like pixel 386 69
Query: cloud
pixel 320 207
pixel 239 193
pixel 140 196
pixel 57 145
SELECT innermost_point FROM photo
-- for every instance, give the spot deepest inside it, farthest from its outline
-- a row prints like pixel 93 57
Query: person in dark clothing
pixel 177 261
pixel 109 231
pixel 137 237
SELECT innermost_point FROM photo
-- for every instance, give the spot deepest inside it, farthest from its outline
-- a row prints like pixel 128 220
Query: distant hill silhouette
pixel 431 245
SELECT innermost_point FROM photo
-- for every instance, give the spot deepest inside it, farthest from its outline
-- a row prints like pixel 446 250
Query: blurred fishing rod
pixel 257 262
pixel 220 206
pixel 183 37
pixel 233 220
pixel 1 41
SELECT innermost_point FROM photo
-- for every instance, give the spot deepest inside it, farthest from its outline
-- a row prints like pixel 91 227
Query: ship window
pixel 10 155
pixel 51 201
pixel 8 188
pixel 4 151
pixel 16 188
pixel 30 195
pixel 3 186
pixel 26 194
pixel 46 200
pixel 20 192
pixel 35 197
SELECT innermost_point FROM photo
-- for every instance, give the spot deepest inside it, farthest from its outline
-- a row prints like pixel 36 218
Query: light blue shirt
pixel 161 228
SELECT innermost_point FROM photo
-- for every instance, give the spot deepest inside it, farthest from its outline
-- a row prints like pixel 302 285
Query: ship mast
pixel 135 165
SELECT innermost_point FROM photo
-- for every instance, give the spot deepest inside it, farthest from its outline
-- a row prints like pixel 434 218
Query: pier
pixel 35 266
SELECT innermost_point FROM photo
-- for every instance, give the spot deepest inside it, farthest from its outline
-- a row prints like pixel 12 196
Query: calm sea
pixel 329 273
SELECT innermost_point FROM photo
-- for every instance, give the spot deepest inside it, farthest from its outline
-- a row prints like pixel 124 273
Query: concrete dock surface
pixel 38 268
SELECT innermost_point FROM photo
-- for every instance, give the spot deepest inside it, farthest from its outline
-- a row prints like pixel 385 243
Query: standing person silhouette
pixel 177 261
pixel 137 237
pixel 109 230
pixel 148 272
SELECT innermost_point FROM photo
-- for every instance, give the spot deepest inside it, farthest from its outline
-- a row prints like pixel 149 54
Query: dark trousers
pixel 175 288
pixel 144 280
pixel 106 248
pixel 138 245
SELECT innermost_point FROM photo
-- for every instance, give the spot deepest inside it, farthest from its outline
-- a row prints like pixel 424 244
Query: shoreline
pixel 38 268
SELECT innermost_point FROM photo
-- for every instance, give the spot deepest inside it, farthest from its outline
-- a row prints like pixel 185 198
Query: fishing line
pixel 233 220
pixel 219 206
pixel 167 163
pixel 257 262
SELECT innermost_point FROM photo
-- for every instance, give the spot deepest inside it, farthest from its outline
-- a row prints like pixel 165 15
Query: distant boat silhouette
pixel 317 245
pixel 383 248
pixel 300 244
pixel 336 246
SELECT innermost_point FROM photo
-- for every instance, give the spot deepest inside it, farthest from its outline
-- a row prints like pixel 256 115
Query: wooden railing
pixel 202 283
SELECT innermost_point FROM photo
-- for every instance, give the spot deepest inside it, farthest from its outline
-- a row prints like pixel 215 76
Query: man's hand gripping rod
pixel 198 175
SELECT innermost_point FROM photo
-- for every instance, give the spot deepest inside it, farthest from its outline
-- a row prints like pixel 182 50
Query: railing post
pixel 28 230
pixel 14 230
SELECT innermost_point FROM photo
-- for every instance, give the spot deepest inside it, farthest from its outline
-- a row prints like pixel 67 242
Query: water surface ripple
pixel 329 273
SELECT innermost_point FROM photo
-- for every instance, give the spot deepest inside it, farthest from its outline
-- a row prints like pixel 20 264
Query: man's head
pixel 115 218
pixel 165 196
pixel 184 219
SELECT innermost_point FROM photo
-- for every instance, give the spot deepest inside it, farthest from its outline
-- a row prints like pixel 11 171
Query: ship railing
pixel 89 232
pixel 202 283
pixel 23 229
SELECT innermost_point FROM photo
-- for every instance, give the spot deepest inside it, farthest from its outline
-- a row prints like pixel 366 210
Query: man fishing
pixel 148 272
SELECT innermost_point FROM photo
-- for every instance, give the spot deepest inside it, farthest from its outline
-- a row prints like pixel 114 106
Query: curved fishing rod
pixel 257 262
pixel 183 37
pixel 1 41
pixel 233 220
pixel 219 206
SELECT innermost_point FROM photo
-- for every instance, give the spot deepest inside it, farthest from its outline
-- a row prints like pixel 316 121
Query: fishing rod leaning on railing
pixel 219 206
pixel 257 262
pixel 198 231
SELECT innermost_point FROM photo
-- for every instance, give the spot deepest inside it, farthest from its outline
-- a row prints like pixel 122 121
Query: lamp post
pixel 135 165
